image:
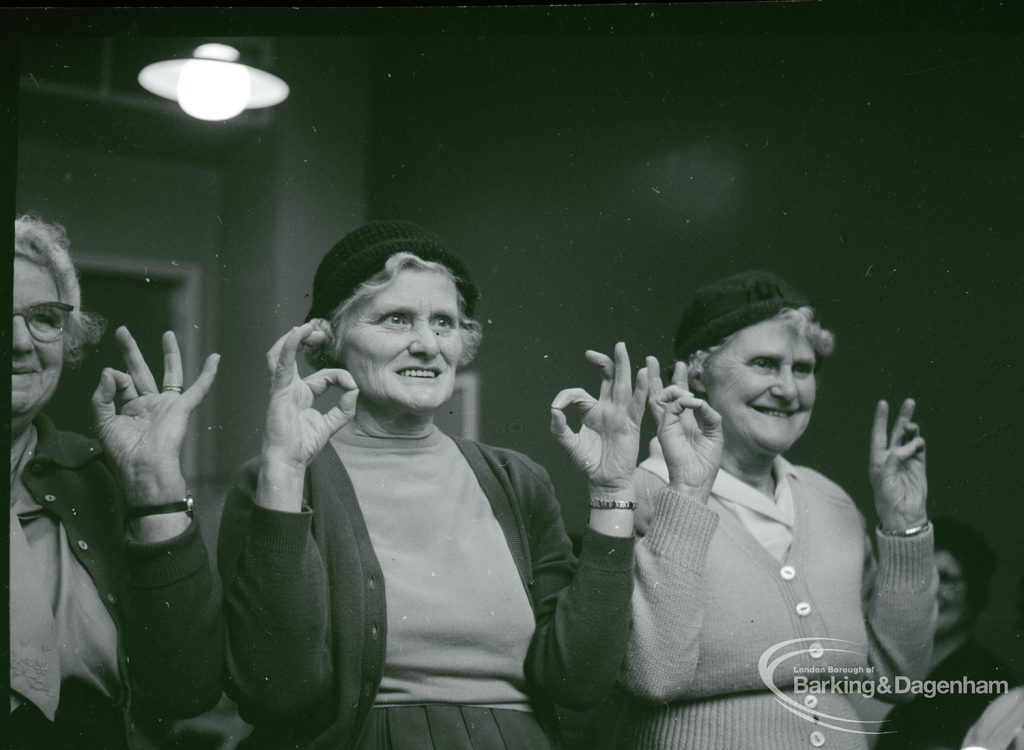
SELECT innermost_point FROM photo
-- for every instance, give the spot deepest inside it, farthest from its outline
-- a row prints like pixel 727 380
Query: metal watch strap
pixel 598 504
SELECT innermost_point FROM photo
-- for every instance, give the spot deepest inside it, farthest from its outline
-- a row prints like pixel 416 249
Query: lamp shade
pixel 212 84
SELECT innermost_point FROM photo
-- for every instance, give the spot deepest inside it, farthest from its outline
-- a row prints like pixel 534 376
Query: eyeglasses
pixel 45 321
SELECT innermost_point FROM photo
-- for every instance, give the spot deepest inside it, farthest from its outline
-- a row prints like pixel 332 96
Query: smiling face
pixel 403 346
pixel 762 382
pixel 35 366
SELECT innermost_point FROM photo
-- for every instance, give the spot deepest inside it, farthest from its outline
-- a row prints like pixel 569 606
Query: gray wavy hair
pixel 47 246
pixel 328 353
pixel 803 320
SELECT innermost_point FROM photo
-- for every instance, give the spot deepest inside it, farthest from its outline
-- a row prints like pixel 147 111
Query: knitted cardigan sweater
pixel 710 601
pixel 160 595
pixel 305 601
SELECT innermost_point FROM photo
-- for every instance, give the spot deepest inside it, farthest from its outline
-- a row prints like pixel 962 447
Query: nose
pixel 21 339
pixel 424 341
pixel 785 384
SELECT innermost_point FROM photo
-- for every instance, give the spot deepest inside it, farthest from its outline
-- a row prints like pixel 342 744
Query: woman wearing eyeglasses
pixel 108 568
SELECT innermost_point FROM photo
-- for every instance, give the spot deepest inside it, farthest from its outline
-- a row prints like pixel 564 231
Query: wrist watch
pixel 185 505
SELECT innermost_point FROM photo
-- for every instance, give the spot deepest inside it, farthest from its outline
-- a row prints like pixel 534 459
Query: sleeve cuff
pixel 162 563
pixel 609 553
pixel 280 531
pixel 905 563
pixel 681 528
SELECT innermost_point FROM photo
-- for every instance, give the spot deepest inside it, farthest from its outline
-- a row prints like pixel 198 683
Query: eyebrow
pixel 386 309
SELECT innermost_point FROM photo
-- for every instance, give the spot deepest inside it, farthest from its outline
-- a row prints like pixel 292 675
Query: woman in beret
pixel 390 586
pixel 753 572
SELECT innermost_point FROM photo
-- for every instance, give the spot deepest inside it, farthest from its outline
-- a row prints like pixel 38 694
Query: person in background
pixel 752 571
pixel 111 591
pixel 1001 726
pixel 389 586
pixel 965 562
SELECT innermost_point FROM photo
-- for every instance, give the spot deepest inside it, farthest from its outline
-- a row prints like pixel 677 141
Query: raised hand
pixel 295 431
pixel 142 427
pixel 897 469
pixel 689 430
pixel 606 447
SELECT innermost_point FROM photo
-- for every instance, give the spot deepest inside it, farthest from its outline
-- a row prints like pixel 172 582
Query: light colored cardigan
pixel 709 601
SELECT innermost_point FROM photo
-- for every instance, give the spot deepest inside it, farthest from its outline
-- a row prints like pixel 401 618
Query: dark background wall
pixel 594 166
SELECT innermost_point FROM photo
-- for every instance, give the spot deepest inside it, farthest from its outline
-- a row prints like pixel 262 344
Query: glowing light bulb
pixel 213 89
pixel 213 85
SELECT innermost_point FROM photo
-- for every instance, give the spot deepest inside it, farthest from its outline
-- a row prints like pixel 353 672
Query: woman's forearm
pixel 668 610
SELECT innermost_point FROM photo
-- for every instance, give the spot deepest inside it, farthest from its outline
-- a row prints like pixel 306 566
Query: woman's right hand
pixel 606 447
pixel 294 431
pixel 689 430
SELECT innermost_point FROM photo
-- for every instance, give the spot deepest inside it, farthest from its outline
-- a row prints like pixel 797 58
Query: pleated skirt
pixel 452 727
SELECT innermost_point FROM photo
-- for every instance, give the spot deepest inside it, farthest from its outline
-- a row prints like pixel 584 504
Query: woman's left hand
pixel 141 426
pixel 897 469
pixel 608 443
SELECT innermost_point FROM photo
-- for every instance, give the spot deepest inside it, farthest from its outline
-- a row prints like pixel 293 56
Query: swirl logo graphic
pixel 778 654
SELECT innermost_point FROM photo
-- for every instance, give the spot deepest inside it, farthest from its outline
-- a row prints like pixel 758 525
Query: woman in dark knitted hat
pixel 766 561
pixel 388 586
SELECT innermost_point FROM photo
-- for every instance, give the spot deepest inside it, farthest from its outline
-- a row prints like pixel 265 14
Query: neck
pixel 379 423
pixel 757 472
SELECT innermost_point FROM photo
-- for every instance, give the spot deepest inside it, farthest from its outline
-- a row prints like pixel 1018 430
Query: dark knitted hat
pixel 726 306
pixel 363 252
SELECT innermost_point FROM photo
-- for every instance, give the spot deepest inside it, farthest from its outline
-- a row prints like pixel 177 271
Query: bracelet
pixel 185 505
pixel 612 504
pixel 913 531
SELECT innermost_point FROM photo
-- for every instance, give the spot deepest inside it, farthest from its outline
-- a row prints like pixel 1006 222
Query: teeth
pixel 419 374
pixel 774 412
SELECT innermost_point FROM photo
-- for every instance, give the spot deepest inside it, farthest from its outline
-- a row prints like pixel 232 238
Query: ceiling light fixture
pixel 213 85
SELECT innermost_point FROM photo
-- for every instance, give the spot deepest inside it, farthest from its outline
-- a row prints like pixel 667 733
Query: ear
pixel 695 380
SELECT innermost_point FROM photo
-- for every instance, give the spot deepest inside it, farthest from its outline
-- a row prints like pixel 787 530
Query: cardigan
pixel 710 602
pixel 160 595
pixel 305 601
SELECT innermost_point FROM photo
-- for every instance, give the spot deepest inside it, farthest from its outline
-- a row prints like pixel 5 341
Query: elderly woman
pixel 110 581
pixel 389 586
pixel 752 572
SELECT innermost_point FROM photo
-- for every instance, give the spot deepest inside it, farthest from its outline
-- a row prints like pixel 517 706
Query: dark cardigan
pixel 160 596
pixel 305 601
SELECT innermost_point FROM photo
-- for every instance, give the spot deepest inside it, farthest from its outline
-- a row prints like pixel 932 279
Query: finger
pixel 709 420
pixel 622 382
pixel 654 373
pixel 192 397
pixel 136 363
pixel 902 420
pixel 274 353
pixel 559 425
pixel 103 409
pixel 172 360
pixel 124 386
pixel 607 371
pixel 643 386
pixel 561 430
pixel 284 363
pixel 878 427
pixel 903 452
pixel 680 375
pixel 321 380
pixel 673 393
pixel 911 431
pixel 573 397
pixel 344 411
